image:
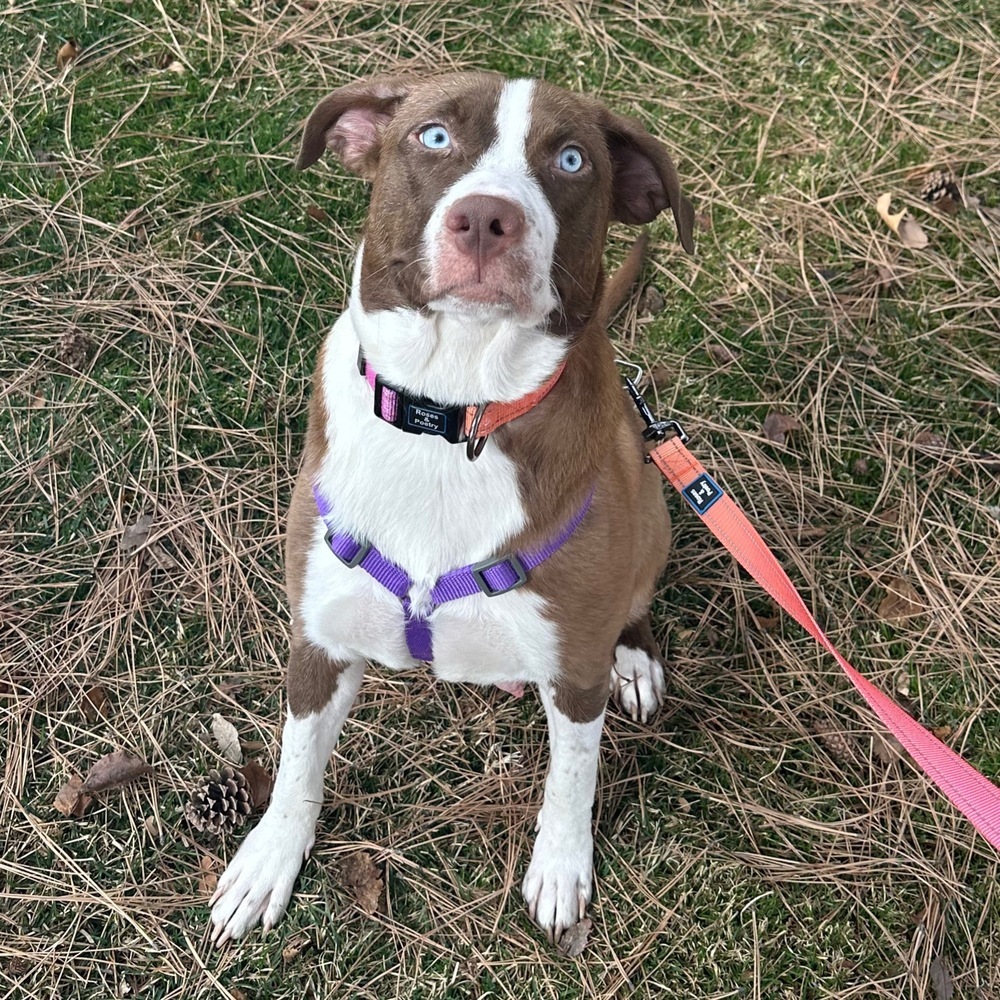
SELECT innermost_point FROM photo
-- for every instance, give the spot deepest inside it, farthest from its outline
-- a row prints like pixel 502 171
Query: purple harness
pixel 491 577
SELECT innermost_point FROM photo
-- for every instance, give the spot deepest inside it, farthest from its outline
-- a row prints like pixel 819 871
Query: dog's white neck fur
pixel 457 352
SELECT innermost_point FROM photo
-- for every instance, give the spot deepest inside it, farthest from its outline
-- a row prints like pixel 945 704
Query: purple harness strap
pixel 490 577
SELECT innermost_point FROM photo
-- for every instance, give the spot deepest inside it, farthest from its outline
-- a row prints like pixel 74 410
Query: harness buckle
pixel 363 549
pixel 513 561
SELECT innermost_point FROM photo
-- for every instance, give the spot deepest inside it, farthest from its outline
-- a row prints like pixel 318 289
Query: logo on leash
pixel 702 493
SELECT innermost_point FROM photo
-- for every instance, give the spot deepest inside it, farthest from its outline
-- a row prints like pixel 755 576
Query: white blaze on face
pixel 525 271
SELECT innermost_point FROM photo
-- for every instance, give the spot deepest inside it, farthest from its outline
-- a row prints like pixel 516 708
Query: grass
pixel 163 290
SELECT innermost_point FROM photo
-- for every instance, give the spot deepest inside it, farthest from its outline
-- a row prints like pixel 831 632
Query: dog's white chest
pixel 428 510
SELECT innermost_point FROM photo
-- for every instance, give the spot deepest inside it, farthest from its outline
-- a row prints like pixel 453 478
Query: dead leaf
pixel 574 939
pixel 37 402
pixel 207 878
pixel 859 466
pixel 317 213
pixel 651 301
pixel 68 51
pixel 902 600
pixel 294 947
pixel 777 425
pixel 136 534
pixel 359 874
pixel 942 732
pixel 227 738
pixel 117 768
pixel 176 66
pixel 887 748
pixel 928 439
pixel 70 800
pixel 259 782
pixel 94 703
pixel 888 516
pixel 940 976
pixel 908 231
pixel 721 354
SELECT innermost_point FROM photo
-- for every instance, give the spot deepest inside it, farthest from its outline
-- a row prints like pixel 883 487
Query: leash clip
pixel 656 430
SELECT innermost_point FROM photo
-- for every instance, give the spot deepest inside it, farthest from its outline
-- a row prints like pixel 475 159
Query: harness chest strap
pixel 971 792
pixel 491 577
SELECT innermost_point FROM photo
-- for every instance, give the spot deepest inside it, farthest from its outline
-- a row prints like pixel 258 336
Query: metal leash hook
pixel 656 430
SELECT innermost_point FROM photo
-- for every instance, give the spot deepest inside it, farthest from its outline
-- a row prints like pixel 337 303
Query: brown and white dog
pixel 479 278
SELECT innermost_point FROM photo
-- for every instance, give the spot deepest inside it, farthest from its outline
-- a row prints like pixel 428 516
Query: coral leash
pixel 971 792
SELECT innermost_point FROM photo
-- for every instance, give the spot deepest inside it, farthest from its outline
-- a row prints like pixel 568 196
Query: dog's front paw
pixel 637 682
pixel 559 881
pixel 258 881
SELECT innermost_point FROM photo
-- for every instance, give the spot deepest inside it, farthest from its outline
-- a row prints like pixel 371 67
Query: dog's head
pixel 491 197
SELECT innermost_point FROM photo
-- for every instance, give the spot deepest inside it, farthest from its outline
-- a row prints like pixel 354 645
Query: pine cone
pixel 940 187
pixel 837 743
pixel 74 348
pixel 222 803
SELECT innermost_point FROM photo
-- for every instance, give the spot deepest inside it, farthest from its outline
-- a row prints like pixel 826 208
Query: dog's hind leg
pixel 637 680
pixel 257 884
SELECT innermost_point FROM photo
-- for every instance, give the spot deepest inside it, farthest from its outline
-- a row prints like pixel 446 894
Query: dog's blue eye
pixel 435 137
pixel 570 159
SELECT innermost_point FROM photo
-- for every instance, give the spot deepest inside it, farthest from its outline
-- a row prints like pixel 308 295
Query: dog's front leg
pixel 559 881
pixel 258 881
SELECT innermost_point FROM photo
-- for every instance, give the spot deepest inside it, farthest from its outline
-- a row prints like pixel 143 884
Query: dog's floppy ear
pixel 350 122
pixel 645 178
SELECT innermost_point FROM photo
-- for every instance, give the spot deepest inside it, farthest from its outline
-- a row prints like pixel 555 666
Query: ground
pixel 165 279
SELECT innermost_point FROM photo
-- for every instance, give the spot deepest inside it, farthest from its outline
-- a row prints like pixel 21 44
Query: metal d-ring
pixel 474 445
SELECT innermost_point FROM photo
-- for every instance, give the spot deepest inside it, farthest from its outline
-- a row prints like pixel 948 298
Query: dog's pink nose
pixel 484 227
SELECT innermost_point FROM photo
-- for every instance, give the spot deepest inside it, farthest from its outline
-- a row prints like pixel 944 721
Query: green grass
pixel 156 213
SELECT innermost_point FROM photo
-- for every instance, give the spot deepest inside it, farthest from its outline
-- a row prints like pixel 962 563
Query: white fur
pixel 258 881
pixel 637 682
pixel 559 881
pixel 502 171
pixel 429 510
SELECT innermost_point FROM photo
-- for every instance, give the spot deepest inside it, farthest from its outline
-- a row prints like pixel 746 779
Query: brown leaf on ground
pixel 94 703
pixel 207 877
pixel 887 748
pixel 317 213
pixel 651 301
pixel 908 231
pixel 359 874
pixel 941 982
pixel 259 782
pixel 777 425
pixel 136 534
pixel 227 739
pixel 117 768
pixel 574 939
pixel 929 439
pixel 902 600
pixel 68 51
pixel 71 800
pixel 720 353
pixel 294 947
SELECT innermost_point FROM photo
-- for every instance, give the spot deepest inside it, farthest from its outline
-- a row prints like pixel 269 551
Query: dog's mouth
pixel 479 296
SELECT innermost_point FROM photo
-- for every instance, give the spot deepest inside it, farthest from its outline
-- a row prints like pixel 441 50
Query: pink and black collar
pixel 470 424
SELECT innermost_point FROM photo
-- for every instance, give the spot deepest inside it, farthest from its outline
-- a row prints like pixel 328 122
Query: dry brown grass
pixel 158 336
